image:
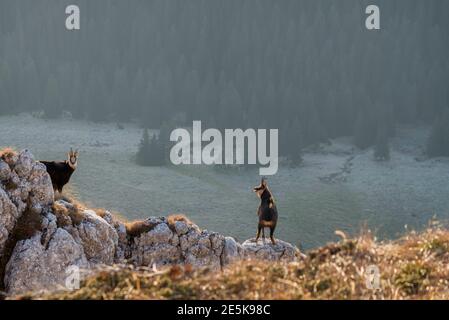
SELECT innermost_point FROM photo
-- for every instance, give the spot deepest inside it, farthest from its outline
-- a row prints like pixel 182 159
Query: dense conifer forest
pixel 309 68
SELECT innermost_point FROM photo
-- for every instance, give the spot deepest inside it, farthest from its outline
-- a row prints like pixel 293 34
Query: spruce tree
pixel 382 147
pixel 438 142
pixel 144 152
pixel 52 105
pixel 151 151
pixel 292 142
pixel 364 130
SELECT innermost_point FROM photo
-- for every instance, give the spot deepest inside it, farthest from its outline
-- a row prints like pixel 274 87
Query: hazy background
pixel 309 68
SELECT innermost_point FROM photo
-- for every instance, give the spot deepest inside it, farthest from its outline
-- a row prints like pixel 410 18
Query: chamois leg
pixel 259 228
pixel 271 235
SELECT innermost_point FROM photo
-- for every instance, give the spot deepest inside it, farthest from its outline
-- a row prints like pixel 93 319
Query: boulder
pixel 159 246
pixel 24 164
pixel 232 251
pixel 203 249
pixel 41 188
pixel 98 238
pixel 34 267
pixel 265 250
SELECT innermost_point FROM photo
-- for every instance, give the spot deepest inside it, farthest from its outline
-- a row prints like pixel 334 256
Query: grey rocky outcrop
pixel 72 236
pixel 179 243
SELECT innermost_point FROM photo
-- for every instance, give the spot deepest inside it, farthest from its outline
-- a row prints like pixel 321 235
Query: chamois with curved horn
pixel 61 171
pixel 267 212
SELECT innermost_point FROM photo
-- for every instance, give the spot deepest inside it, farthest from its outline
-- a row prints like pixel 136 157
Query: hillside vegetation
pixel 415 266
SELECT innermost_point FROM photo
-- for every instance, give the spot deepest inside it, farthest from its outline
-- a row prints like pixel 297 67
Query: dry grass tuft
pixel 8 155
pixel 412 277
pixel 173 218
pixel 71 215
pixel 8 152
pixel 100 212
pixel 136 228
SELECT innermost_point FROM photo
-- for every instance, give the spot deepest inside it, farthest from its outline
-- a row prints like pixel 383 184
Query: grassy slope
pixel 413 267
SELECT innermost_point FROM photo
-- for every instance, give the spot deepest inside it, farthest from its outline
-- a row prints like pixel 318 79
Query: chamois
pixel 61 171
pixel 267 212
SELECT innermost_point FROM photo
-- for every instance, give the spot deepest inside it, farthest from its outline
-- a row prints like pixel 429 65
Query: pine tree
pixel 3 97
pixel 438 142
pixel 382 147
pixel 291 142
pixel 314 131
pixel 364 130
pixel 52 105
pixel 96 97
pixel 151 151
pixel 144 152
pixel 122 95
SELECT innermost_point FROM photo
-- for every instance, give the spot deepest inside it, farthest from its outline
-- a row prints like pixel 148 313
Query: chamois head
pixel 261 188
pixel 72 158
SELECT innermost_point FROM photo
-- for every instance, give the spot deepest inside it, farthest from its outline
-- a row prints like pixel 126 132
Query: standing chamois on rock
pixel 61 171
pixel 267 212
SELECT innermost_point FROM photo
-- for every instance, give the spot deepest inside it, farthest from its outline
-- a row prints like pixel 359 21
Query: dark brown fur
pixel 61 171
pixel 73 215
pixel 267 211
